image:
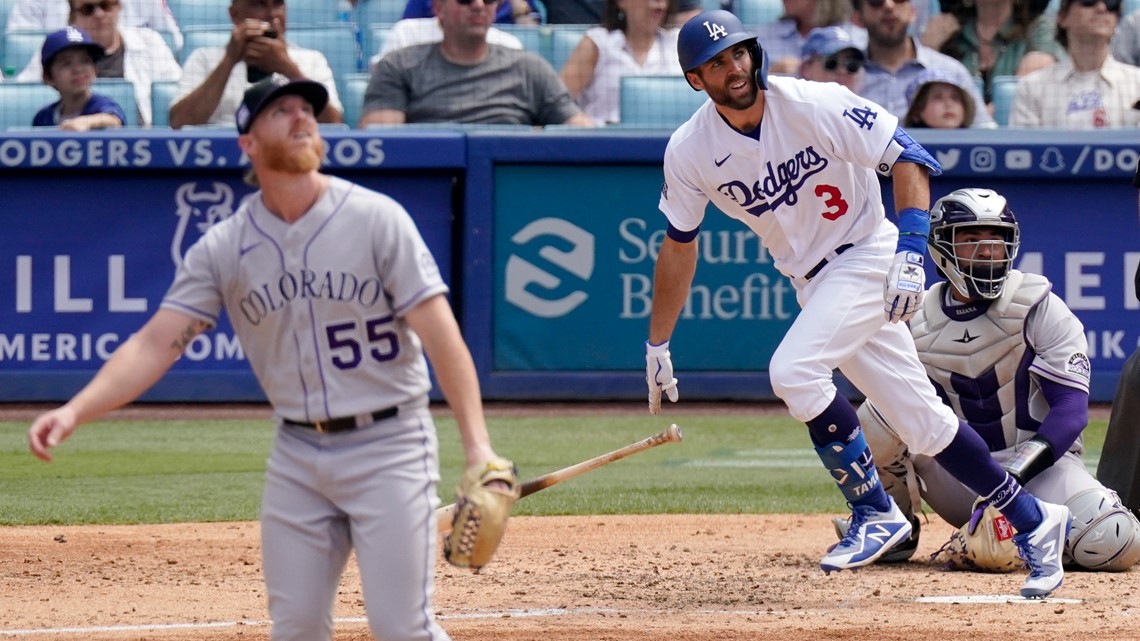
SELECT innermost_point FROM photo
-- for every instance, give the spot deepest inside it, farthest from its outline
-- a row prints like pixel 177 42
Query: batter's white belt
pixel 826 259
pixel 345 423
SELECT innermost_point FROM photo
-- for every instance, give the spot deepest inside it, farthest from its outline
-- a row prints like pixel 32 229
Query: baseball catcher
pixel 483 502
pixel 1010 357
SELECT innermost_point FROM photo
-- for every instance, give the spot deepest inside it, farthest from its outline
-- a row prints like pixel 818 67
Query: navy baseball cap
pixel 828 41
pixel 68 38
pixel 265 91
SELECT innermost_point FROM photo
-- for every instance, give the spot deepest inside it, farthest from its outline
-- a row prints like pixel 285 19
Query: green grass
pixel 191 471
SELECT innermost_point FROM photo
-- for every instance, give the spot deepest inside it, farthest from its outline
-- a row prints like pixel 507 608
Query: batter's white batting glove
pixel 659 375
pixel 906 283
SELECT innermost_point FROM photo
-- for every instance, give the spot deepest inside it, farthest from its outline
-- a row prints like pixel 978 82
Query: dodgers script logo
pixel 524 278
pixel 208 207
pixel 780 186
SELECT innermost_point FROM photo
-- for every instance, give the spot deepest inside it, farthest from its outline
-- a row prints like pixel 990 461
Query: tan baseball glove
pixel 983 544
pixel 481 510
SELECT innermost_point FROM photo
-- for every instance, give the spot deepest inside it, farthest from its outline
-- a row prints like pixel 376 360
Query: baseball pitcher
pixel 796 162
pixel 335 298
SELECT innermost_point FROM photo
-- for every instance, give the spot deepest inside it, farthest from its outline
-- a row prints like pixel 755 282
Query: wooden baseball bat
pixel 671 435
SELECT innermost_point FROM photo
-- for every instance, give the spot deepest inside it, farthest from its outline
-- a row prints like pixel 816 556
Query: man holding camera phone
pixel 214 79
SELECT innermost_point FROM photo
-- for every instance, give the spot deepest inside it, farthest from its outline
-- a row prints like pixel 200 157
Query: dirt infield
pixel 596 578
pixel 599 578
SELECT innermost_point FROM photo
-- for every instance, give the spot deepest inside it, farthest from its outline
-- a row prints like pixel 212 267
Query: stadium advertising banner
pixel 94 233
pixel 575 250
pixel 568 241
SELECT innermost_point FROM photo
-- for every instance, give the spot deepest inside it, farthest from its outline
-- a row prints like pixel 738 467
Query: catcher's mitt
pixel 481 511
pixel 984 544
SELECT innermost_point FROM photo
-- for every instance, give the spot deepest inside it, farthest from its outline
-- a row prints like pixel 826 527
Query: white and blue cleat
pixel 870 535
pixel 1042 550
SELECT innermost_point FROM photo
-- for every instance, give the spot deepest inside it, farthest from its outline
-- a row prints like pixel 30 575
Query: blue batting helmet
pixel 711 32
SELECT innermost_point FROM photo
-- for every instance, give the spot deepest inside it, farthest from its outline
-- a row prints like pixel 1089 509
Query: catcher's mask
pixel 963 262
pixel 711 32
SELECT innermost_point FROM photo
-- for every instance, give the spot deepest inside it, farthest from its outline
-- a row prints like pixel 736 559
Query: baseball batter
pixel 335 298
pixel 1010 357
pixel 795 161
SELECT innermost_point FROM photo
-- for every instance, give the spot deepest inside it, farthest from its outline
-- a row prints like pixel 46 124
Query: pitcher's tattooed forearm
pixel 193 329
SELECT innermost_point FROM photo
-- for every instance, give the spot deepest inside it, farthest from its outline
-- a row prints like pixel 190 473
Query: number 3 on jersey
pixel 833 200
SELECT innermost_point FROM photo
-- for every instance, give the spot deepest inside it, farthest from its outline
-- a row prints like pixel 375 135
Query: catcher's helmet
pixel 711 32
pixel 977 278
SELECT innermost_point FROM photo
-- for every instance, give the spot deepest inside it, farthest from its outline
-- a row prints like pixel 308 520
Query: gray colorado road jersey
pixel 309 306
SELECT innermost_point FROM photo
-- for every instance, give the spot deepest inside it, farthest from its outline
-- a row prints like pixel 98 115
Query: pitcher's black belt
pixel 823 263
pixel 344 423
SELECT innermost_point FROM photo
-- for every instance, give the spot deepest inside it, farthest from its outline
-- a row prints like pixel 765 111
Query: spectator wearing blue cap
pixel 783 39
pixel 830 55
pixel 69 57
pixel 938 100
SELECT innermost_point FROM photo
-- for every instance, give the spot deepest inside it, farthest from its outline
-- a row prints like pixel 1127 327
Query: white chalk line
pixel 504 614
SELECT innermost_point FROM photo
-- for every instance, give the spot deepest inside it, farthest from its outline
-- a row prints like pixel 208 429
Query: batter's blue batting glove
pixel 906 283
pixel 659 375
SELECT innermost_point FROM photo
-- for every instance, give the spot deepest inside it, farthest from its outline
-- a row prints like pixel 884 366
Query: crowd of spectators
pixel 1074 64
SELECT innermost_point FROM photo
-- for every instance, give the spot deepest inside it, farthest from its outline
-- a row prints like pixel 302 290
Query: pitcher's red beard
pixel 291 159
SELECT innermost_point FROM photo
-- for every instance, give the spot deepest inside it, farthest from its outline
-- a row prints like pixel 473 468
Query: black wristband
pixel 1031 458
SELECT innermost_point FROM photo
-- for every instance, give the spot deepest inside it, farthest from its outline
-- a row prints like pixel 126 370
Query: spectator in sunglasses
pixel 995 38
pixel 829 55
pixel 1087 90
pixel 508 11
pixel 937 101
pixel 895 59
pixel 49 15
pixel 783 40
pixel 136 54
pixel 215 78
pixel 465 79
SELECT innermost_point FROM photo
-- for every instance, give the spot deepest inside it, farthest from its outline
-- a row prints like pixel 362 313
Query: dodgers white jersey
pixel 806 186
pixel 322 297
pixel 988 360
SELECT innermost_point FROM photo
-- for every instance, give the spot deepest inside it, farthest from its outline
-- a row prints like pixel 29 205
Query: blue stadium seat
pixel 534 39
pixel 1004 89
pixel 563 40
pixel 122 92
pixel 754 12
pixel 19 102
pixel 657 101
pixel 161 95
pixel 19 47
pixel 1128 7
pixel 336 42
pixel 198 13
pixel 371 12
pixel 198 37
pixel 311 13
pixel 377 34
pixel 353 97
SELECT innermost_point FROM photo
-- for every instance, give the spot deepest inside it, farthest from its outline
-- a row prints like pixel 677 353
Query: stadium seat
pixel 122 92
pixel 377 34
pixel 161 95
pixel 19 47
pixel 199 13
pixel 19 102
pixel 372 12
pixel 754 12
pixel 311 13
pixel 336 42
pixel 1128 7
pixel 657 101
pixel 198 37
pixel 563 40
pixel 1004 89
pixel 534 39
pixel 353 97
